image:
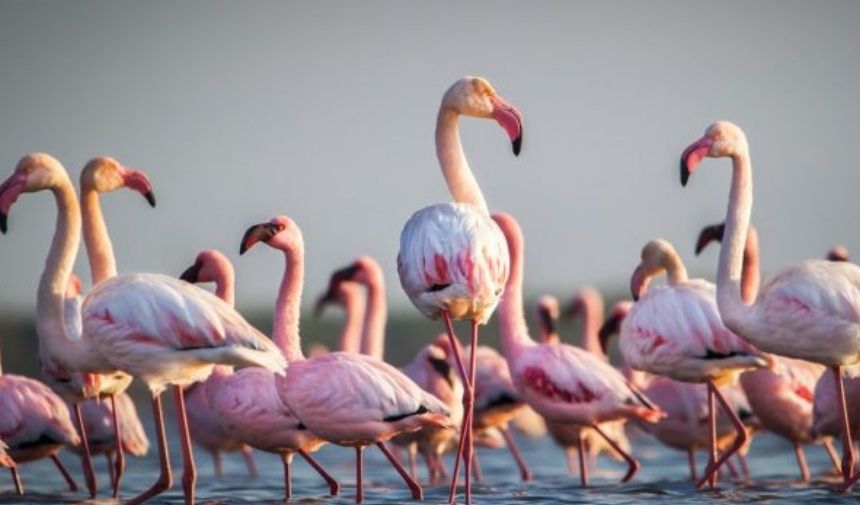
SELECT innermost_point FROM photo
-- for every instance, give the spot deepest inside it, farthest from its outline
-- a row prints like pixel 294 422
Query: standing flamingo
pixel 453 261
pixel 808 311
pixel 352 400
pixel 563 383
pixel 204 423
pixel 160 329
pixel 781 398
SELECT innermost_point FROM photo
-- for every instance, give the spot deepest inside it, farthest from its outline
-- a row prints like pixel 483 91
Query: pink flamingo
pixel 807 311
pixel 352 400
pixel 160 329
pixel 675 331
pixel 205 425
pixel 782 397
pixel 348 295
pixel 563 383
pixel 453 261
pixel 589 303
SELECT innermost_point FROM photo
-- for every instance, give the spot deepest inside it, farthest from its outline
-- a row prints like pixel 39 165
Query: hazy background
pixel 325 111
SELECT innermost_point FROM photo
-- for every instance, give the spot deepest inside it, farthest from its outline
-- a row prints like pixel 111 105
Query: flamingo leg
pixel 801 462
pixel 111 469
pixel 333 485
pixel 440 466
pixel 632 464
pixel 249 461
pixel 86 455
pixel 16 478
pixel 468 399
pixel 739 442
pixel 73 486
pixel 848 475
pixel 525 472
pixel 413 460
pixel 733 472
pixel 189 471
pixel 831 453
pixel 414 487
pixel 691 460
pixel 119 463
pixel 745 468
pixel 477 474
pixel 712 437
pixel 359 486
pixel 572 465
pixel 216 464
pixel 583 465
pixel 430 463
pixel 165 479
pixel 287 459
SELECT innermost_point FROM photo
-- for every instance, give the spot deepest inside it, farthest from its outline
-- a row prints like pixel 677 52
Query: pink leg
pixel 16 478
pixel 801 462
pixel 86 455
pixel 745 468
pixel 216 464
pixel 847 443
pixel 249 461
pixel 413 460
pixel 831 453
pixel 739 442
pixel 359 485
pixel 733 472
pixel 712 436
pixel 477 474
pixel 287 459
pixel 468 397
pixel 632 464
pixel 414 487
pixel 525 473
pixel 73 486
pixel 189 471
pixel 583 465
pixel 165 480
pixel 572 465
pixel 440 467
pixel 119 468
pixel 333 485
pixel 691 459
pixel 430 463
pixel 111 469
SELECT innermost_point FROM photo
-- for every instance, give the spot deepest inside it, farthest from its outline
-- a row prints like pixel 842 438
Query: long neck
pixel 350 333
pixel 458 176
pixel 675 269
pixel 512 319
pixel 51 294
pixel 225 288
pixel 751 275
pixel 285 328
pixel 96 239
pixel 729 274
pixel 375 316
pixel 592 318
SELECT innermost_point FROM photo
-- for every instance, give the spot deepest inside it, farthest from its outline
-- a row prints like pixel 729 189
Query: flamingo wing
pixel 30 412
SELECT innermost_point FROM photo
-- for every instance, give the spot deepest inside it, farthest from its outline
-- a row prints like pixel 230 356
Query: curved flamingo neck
pixel 99 248
pixel 733 310
pixel 675 269
pixel 512 319
pixel 51 294
pixel 375 316
pixel 225 285
pixel 354 313
pixel 592 319
pixel 458 176
pixel 285 327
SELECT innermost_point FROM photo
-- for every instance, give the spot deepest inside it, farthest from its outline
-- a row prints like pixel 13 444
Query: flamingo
pixel 352 400
pixel 589 303
pixel 453 261
pixel 563 383
pixel 159 329
pixel 781 398
pixel 349 296
pixel 204 423
pixel 808 311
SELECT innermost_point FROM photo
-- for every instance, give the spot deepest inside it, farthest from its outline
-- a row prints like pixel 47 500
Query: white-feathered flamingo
pixel 352 400
pixel 154 327
pixel 674 330
pixel 563 383
pixel 782 397
pixel 205 424
pixel 809 311
pixel 453 261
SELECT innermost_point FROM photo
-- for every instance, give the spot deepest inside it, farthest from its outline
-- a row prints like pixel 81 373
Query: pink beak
pixel 510 119
pixel 691 157
pixel 9 191
pixel 137 180
pixel 638 283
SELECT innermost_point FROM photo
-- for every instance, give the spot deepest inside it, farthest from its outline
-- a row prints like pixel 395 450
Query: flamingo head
pixel 654 258
pixel 209 266
pixel 548 311
pixel 34 172
pixel 280 232
pixel 104 174
pixel 712 233
pixel 722 139
pixel 339 294
pixel 612 325
pixel 475 96
pixel 838 253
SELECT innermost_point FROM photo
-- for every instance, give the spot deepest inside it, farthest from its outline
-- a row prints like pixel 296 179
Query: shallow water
pixel 662 479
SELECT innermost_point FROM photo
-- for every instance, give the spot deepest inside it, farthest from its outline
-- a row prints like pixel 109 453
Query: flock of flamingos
pixel 774 355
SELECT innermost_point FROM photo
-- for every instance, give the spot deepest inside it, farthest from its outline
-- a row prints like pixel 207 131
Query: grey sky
pixel 325 111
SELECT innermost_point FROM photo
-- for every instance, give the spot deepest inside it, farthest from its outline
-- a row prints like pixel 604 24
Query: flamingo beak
pixel 258 233
pixel 638 283
pixel 547 321
pixel 192 273
pixel 443 368
pixel 327 298
pixel 838 253
pixel 708 235
pixel 510 119
pixel 610 327
pixel 691 157
pixel 138 181
pixel 9 192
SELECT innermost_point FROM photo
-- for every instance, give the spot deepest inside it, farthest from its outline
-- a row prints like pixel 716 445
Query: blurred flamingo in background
pixel 350 296
pixel 563 383
pixel 453 261
pixel 808 311
pixel 160 329
pixel 204 424
pixel 352 400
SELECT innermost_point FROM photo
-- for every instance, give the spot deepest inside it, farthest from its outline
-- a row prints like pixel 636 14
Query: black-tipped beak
pixel 258 233
pixel 685 172
pixel 691 157
pixel 192 273
pixel 517 144
pixel 443 368
pixel 609 328
pixel 709 234
pixel 150 197
pixel 321 304
pixel 3 223
pixel 547 321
